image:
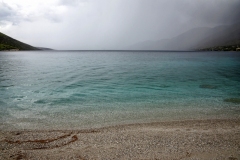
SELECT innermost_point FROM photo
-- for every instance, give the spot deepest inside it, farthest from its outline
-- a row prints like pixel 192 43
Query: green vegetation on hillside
pixel 4 47
pixel 8 43
pixel 223 48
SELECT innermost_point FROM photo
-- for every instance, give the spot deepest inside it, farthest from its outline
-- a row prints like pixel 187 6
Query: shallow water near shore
pixel 89 89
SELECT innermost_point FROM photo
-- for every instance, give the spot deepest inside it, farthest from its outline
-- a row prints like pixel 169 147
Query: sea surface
pixel 88 89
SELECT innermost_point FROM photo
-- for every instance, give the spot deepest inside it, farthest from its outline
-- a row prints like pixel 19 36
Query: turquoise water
pixel 85 89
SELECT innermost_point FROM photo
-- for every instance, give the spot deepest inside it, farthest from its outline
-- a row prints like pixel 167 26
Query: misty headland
pixel 220 38
pixel 197 39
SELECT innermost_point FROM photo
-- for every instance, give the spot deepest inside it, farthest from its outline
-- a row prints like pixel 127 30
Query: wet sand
pixel 190 139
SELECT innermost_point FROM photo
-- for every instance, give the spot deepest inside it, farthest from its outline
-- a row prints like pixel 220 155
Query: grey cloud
pixel 5 10
pixel 71 2
pixel 14 16
pixel 215 11
pixel 52 17
pixel 7 13
pixel 10 15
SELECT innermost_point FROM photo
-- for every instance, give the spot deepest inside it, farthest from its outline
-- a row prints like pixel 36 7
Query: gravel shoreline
pixel 189 139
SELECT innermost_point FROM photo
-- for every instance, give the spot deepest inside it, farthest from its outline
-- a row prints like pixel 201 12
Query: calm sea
pixel 86 89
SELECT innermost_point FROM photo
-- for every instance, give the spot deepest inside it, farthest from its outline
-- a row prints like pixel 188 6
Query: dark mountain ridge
pixel 8 43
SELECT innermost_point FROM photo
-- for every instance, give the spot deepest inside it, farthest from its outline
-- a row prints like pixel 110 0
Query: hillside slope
pixel 8 43
pixel 195 39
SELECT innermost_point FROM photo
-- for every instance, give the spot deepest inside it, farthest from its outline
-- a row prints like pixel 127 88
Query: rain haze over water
pixel 100 25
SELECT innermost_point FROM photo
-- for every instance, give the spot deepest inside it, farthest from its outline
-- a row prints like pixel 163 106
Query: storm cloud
pixel 7 14
pixel 93 24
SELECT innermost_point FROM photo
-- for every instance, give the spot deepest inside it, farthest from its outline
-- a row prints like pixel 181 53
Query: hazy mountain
pixel 8 43
pixel 45 49
pixel 196 38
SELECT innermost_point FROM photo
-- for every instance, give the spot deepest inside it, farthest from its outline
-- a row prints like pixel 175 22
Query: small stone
pixel 232 158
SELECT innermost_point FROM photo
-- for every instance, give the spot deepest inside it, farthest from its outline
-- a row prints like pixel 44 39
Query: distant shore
pixel 10 50
pixel 222 48
pixel 189 139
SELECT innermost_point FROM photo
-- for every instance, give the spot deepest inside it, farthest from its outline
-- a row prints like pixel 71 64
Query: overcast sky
pixel 109 24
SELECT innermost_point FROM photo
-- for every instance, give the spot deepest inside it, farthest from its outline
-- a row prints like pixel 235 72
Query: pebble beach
pixel 188 139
